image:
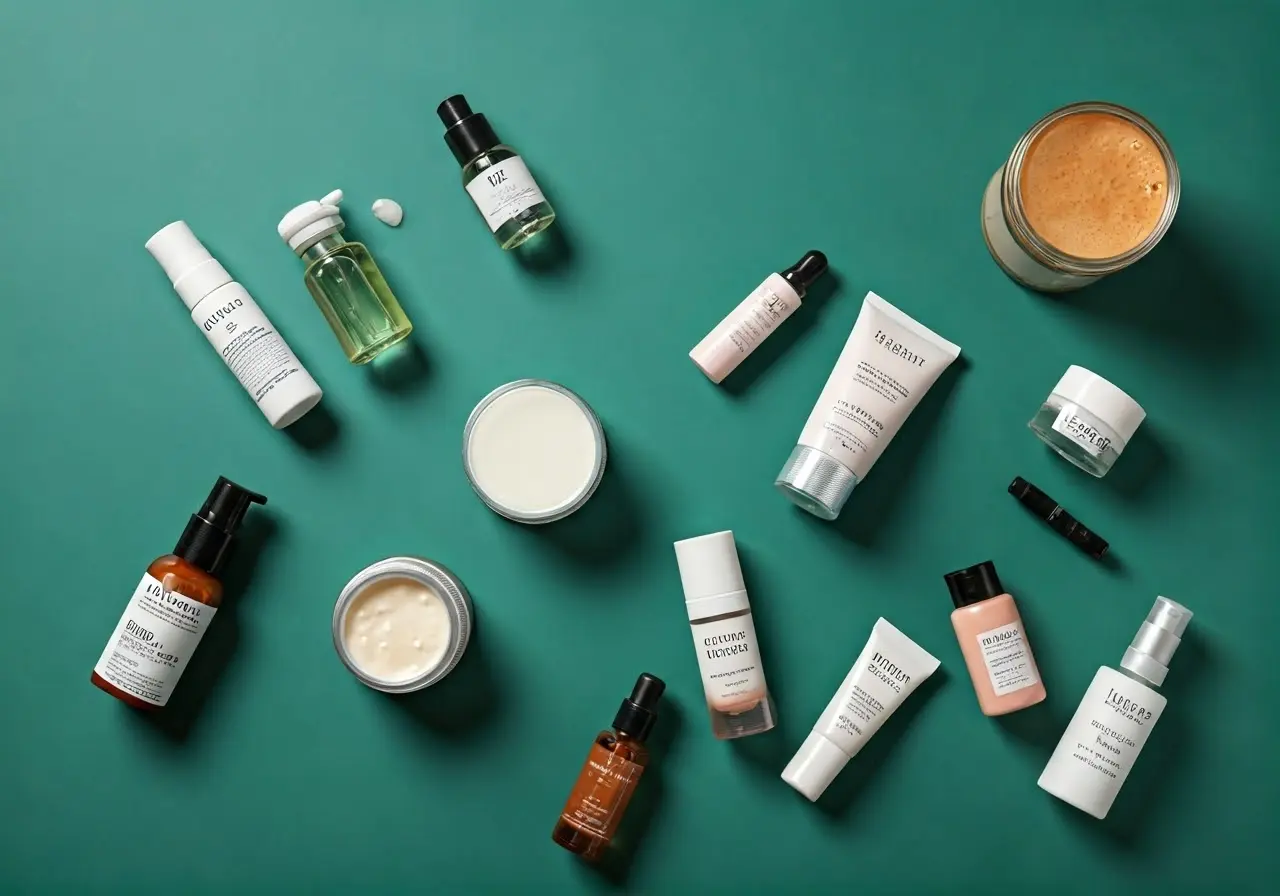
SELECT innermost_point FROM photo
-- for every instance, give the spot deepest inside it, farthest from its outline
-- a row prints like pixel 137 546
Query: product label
pixel 1102 742
pixel 503 191
pixel 253 350
pixel 153 641
pixel 755 318
pixel 729 659
pixel 601 795
pixel 1073 422
pixel 1008 659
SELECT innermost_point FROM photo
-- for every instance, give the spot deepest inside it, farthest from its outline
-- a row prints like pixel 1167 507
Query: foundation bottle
pixel 993 641
pixel 609 776
pixel 173 604
pixel 724 636
pixel 344 280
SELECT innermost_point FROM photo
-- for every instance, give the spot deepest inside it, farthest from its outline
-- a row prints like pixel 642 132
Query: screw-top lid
pixel 808 269
pixel 205 541
pixel 816 481
pixel 711 575
pixel 815 766
pixel 193 272
pixel 974 584
pixel 1156 641
pixel 637 713
pixel 1109 403
pixel 467 134
pixel 305 225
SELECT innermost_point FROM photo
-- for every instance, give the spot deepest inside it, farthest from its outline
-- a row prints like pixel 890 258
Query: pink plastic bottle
pixel 993 641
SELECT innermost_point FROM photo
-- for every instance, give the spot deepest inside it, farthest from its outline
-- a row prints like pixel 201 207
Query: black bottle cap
pixel 977 583
pixel 1058 519
pixel 205 541
pixel 808 269
pixel 466 133
pixel 637 713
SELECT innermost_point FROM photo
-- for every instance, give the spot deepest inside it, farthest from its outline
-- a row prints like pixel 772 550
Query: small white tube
pixel 889 668
pixel 888 363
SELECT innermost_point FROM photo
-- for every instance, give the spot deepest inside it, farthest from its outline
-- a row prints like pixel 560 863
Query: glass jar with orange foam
pixel 1086 192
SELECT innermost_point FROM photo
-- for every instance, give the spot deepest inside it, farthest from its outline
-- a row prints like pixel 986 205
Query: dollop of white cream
pixel 388 211
pixel 410 626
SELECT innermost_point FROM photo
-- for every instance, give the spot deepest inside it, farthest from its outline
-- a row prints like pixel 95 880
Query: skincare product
pixel 993 641
pixel 388 211
pixel 888 364
pixel 1089 190
pixel 1058 519
pixel 235 326
pixel 756 316
pixel 402 624
pixel 344 280
pixel 1087 420
pixel 889 668
pixel 1116 716
pixel 533 451
pixel 495 177
pixel 724 636
pixel 610 774
pixel 173 604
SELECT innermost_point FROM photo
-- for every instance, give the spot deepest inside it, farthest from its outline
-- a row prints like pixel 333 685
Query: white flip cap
pixel 1102 399
pixel 711 575
pixel 305 225
pixel 193 272
pixel 814 766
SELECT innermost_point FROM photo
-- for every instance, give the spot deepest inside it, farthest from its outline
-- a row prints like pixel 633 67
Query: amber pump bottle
pixel 610 774
pixel 173 604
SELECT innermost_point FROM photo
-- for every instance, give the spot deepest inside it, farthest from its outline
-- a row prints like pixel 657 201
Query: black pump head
pixel 637 713
pixel 808 269
pixel 208 534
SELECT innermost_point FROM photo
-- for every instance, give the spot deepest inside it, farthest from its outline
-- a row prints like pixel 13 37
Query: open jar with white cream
pixel 402 624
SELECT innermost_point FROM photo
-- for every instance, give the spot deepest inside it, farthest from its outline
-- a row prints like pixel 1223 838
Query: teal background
pixel 690 149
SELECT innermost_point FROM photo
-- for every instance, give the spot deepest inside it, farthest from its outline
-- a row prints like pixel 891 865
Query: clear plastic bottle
pixel 344 280
pixel 494 175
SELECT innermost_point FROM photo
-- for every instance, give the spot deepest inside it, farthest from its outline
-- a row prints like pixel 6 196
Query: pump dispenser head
pixel 193 272
pixel 467 134
pixel 1156 641
pixel 305 225
pixel 209 533
pixel 637 713
pixel 804 272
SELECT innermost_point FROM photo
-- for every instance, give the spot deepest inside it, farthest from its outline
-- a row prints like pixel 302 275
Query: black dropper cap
pixel 977 583
pixel 636 715
pixel 205 541
pixel 808 269
pixel 467 134
pixel 1058 519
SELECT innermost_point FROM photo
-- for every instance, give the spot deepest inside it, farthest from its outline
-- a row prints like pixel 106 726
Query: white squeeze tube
pixel 235 326
pixel 886 367
pixel 889 668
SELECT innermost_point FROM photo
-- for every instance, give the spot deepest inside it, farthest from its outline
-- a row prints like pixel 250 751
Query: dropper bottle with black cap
pixel 173 604
pixel 609 776
pixel 495 177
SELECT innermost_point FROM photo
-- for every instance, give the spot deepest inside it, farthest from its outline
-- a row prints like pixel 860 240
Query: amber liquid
pixel 180 577
pixel 600 796
pixel 1094 185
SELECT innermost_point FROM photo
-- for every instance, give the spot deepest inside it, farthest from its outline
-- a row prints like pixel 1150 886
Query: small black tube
pixel 1058 519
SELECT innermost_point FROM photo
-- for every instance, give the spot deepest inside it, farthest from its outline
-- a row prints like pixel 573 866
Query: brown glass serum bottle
pixel 609 776
pixel 173 604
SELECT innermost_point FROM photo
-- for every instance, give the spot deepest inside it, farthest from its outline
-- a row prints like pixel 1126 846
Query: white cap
pixel 1097 396
pixel 193 272
pixel 814 766
pixel 711 575
pixel 1156 641
pixel 305 225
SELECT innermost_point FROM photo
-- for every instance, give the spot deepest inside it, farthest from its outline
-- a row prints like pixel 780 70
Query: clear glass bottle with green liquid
pixel 344 280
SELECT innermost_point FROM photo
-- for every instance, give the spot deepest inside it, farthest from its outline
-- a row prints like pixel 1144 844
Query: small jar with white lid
pixel 1087 420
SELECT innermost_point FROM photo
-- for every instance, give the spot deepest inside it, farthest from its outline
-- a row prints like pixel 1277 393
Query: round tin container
pixel 533 451
pixel 433 576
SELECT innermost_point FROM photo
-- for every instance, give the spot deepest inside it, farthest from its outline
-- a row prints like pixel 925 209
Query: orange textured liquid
pixel 1094 185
